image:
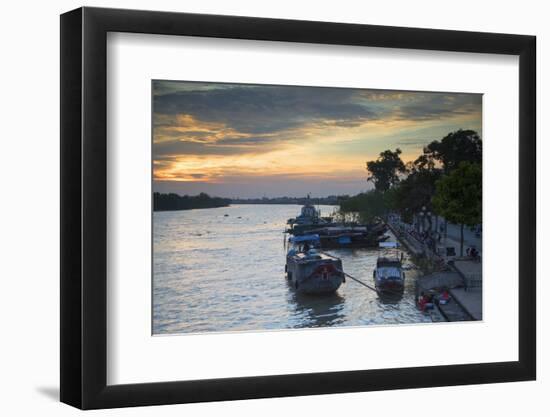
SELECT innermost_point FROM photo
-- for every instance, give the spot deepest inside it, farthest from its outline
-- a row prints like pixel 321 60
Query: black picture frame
pixel 84 207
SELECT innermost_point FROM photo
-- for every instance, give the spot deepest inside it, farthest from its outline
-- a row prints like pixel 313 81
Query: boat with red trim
pixel 310 271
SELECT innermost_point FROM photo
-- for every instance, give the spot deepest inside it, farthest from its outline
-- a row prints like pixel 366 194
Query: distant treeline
pixel 330 200
pixel 167 202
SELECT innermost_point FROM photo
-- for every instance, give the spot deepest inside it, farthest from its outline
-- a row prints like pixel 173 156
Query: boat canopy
pixel 392 245
pixel 304 238
pixel 388 272
pixel 388 262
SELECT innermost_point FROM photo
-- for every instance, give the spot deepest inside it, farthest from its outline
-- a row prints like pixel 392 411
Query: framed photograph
pixel 256 208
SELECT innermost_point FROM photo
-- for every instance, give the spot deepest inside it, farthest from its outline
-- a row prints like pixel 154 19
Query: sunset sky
pixel 242 140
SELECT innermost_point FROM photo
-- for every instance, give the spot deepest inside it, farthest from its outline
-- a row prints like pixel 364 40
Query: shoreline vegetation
pixel 172 202
pixel 331 200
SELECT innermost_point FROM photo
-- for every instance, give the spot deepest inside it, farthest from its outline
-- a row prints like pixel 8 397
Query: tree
pixel 456 147
pixel 384 171
pixel 458 197
pixel 369 205
pixel 449 152
pixel 164 202
pixel 414 192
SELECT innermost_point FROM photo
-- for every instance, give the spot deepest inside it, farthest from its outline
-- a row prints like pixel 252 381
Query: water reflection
pixel 317 310
pixel 388 298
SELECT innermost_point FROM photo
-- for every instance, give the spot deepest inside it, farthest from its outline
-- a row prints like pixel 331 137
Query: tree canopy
pixel 445 179
pixel 458 195
pixel 166 202
pixel 414 192
pixel 456 147
pixel 369 205
pixel 384 171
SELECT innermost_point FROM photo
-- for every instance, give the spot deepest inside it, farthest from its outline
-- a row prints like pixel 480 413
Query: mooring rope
pixel 358 280
pixel 349 276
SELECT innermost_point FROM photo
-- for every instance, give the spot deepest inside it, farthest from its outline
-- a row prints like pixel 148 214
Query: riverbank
pixel 461 276
pixel 174 202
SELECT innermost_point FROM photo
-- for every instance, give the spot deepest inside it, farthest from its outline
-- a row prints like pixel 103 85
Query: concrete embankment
pixel 470 301
pixel 450 280
pixel 442 279
pixel 413 246
pixel 469 296
pixel 463 280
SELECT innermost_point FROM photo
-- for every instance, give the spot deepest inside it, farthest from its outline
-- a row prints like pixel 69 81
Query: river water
pixel 222 269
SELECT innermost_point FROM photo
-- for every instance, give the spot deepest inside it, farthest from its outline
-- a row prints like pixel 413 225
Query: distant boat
pixel 309 217
pixel 389 278
pixel 308 270
pixel 339 236
pixel 336 235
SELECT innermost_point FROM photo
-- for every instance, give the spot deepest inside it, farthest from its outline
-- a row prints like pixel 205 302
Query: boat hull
pixel 319 276
pixel 390 287
pixel 356 242
pixel 389 277
pixel 335 235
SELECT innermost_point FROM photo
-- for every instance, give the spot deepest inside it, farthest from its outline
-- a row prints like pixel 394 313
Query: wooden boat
pixel 308 270
pixel 348 237
pixel 389 278
pixel 336 235
pixel 345 236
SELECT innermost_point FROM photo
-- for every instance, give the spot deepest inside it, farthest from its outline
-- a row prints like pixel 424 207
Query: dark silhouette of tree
pixel 413 193
pixel 166 202
pixel 410 189
pixel 369 205
pixel 456 147
pixel 384 171
pixel 329 200
pixel 458 197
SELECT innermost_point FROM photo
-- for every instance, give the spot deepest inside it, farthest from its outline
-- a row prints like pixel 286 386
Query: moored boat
pixel 309 218
pixel 389 278
pixel 310 271
pixel 336 236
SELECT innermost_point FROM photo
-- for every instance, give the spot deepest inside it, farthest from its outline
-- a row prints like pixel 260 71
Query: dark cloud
pixel 265 109
pixel 230 119
pixel 415 142
pixel 438 105
pixel 167 150
pixel 252 140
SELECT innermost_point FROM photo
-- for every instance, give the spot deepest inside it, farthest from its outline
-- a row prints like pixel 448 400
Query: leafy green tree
pixel 456 147
pixel 415 191
pixel 369 205
pixel 384 171
pixel 458 197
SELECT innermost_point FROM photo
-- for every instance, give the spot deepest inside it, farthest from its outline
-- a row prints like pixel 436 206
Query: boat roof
pixel 304 238
pixel 388 261
pixel 388 245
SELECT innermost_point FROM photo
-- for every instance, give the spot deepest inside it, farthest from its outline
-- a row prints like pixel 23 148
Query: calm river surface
pixel 217 273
